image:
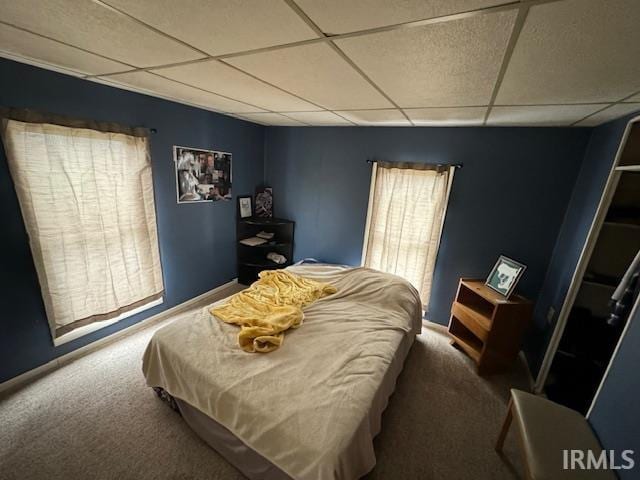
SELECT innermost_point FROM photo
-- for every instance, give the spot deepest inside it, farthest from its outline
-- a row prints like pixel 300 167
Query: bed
pixel 310 409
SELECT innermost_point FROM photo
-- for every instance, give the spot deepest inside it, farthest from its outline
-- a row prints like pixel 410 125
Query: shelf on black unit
pixel 253 259
pixel 265 221
pixel 266 263
pixel 265 245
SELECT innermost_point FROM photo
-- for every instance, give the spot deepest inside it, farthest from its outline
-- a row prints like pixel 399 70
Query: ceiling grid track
pixel 209 91
pixel 206 58
pixel 324 38
pixel 511 45
pixel 343 117
pixel 371 82
pixel 619 102
pixel 133 67
pixel 305 18
pixel 273 85
pixel 150 27
pixel 293 119
pixel 523 7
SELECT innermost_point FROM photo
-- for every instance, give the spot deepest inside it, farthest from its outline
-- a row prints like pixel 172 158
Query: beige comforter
pixel 311 407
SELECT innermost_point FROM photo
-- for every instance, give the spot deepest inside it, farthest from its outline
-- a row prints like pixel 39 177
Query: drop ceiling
pixel 355 62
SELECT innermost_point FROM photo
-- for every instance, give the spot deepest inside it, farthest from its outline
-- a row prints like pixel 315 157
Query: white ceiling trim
pixel 131 88
pixel 545 116
pixel 609 113
pixel 271 118
pixel 60 42
pixel 41 64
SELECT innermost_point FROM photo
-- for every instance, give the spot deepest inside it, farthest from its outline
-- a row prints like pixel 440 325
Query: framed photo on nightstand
pixel 505 275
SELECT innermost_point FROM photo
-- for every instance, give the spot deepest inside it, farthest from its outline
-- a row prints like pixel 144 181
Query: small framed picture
pixel 245 208
pixel 264 202
pixel 505 275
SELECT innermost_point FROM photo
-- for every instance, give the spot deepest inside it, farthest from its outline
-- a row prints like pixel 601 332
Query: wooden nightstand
pixel 487 326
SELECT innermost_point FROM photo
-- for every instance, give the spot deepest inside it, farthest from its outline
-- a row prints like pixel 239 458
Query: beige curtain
pixel 87 201
pixel 406 211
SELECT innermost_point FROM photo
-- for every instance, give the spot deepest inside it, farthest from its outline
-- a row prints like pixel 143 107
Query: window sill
pixel 92 327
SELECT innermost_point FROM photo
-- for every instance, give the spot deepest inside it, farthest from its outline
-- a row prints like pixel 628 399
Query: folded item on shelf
pixel 253 241
pixel 265 235
pixel 276 258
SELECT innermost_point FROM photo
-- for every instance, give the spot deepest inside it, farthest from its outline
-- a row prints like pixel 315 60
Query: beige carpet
pixel 95 419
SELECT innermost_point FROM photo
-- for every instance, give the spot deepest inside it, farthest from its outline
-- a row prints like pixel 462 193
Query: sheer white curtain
pixel 406 210
pixel 87 201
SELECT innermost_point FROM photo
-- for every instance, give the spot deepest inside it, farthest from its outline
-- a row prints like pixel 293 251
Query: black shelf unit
pixel 252 260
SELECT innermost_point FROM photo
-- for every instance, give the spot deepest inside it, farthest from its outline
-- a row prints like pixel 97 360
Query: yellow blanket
pixel 271 305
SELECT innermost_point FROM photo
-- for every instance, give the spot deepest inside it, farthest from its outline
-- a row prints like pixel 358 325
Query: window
pixel 406 211
pixel 87 201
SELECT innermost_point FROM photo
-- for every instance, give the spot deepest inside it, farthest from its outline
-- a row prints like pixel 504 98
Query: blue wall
pixel 510 197
pixel 585 198
pixel 197 242
pixel 616 416
pixel 551 181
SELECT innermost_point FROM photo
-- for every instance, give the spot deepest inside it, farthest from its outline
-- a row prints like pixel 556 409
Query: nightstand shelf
pixel 487 326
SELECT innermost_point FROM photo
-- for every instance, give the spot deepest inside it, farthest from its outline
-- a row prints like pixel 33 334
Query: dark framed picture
pixel 245 208
pixel 264 202
pixel 505 275
pixel 202 175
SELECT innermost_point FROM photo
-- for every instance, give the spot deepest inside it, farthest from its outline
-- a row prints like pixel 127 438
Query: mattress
pixel 311 408
pixel 253 465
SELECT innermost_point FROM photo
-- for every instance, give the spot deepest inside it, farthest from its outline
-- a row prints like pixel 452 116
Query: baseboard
pixel 435 326
pixel 29 376
pixel 444 330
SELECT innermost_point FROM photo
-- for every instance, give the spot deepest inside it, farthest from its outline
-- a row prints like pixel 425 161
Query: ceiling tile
pixel 386 117
pixel 547 115
pixel 318 118
pixel 89 25
pixel 460 116
pixel 575 51
pixel 30 46
pixel 153 84
pixel 217 77
pixel 314 72
pixel 447 64
pixel 223 26
pixel 271 119
pixel 611 113
pixel 338 16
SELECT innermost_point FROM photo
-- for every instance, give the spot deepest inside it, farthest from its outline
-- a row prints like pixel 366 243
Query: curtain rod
pixel 28 115
pixel 455 165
